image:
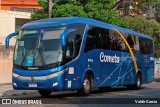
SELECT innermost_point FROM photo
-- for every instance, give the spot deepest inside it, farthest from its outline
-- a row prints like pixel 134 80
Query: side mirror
pixel 9 37
pixel 64 36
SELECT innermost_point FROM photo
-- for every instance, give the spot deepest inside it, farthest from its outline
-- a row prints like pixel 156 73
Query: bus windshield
pixel 38 48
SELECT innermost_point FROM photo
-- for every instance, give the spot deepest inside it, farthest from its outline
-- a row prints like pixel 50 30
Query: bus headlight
pixel 15 75
pixel 55 74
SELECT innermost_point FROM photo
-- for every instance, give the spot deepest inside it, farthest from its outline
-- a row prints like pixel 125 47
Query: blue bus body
pixel 108 67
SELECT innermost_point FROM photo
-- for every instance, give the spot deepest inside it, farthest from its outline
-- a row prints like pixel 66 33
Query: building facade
pixel 20 5
pixel 13 15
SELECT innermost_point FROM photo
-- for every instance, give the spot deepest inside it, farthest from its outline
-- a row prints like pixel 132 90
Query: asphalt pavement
pixel 148 96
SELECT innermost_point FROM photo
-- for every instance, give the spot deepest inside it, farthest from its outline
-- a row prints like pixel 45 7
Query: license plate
pixel 32 85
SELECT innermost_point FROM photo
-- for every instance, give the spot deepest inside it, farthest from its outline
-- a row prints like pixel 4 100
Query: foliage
pixel 150 27
pixel 104 10
pixel 96 9
pixel 41 14
pixel 68 10
pixel 38 14
pixel 157 15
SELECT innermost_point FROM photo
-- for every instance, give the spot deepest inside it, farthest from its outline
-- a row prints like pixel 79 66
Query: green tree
pixel 41 14
pixel 105 10
pixel 150 27
pixel 157 15
pixel 96 9
pixel 68 10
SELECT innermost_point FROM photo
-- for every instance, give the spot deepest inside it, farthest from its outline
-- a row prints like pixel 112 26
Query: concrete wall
pixel 9 23
pixel 20 22
pixel 6 26
pixel 6 64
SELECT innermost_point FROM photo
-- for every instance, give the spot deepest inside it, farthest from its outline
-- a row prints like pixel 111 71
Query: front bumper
pixel 50 79
pixel 50 84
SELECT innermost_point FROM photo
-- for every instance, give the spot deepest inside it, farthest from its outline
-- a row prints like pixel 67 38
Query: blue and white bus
pixel 74 53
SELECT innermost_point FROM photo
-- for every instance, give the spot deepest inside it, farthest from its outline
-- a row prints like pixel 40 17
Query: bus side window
pixel 73 46
pixel 69 48
pixel 117 43
pixel 136 44
pixel 74 40
pixel 89 44
pixel 150 46
pixel 78 41
pixel 133 42
pixel 124 46
pixel 93 39
pixel 105 39
pixel 142 45
pixel 146 46
pixel 130 41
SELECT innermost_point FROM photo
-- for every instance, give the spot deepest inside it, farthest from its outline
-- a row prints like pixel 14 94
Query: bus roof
pixel 51 22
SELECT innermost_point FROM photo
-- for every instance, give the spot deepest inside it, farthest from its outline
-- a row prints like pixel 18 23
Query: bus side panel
pixel 146 66
pixel 78 67
pixel 109 72
pixel 141 66
pixel 74 74
pixel 128 69
pixel 150 68
pixel 118 74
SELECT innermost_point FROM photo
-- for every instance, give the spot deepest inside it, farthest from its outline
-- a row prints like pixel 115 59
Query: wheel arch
pixel 89 72
pixel 139 72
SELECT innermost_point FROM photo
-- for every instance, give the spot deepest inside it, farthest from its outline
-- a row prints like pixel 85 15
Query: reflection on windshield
pixel 36 49
pixel 25 47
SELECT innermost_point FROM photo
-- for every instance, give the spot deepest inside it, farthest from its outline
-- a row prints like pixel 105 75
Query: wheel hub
pixel 86 85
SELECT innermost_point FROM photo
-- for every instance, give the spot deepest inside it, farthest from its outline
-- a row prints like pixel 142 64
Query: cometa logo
pixel 107 58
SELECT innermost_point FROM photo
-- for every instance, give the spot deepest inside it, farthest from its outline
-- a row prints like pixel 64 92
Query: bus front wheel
pixel 86 90
pixel 45 93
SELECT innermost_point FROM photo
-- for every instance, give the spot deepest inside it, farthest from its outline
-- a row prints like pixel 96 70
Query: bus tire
pixel 138 83
pixel 86 90
pixel 45 93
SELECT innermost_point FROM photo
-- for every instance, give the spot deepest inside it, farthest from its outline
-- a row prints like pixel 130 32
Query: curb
pixel 7 90
pixel 17 92
pixel 157 80
pixel 5 84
